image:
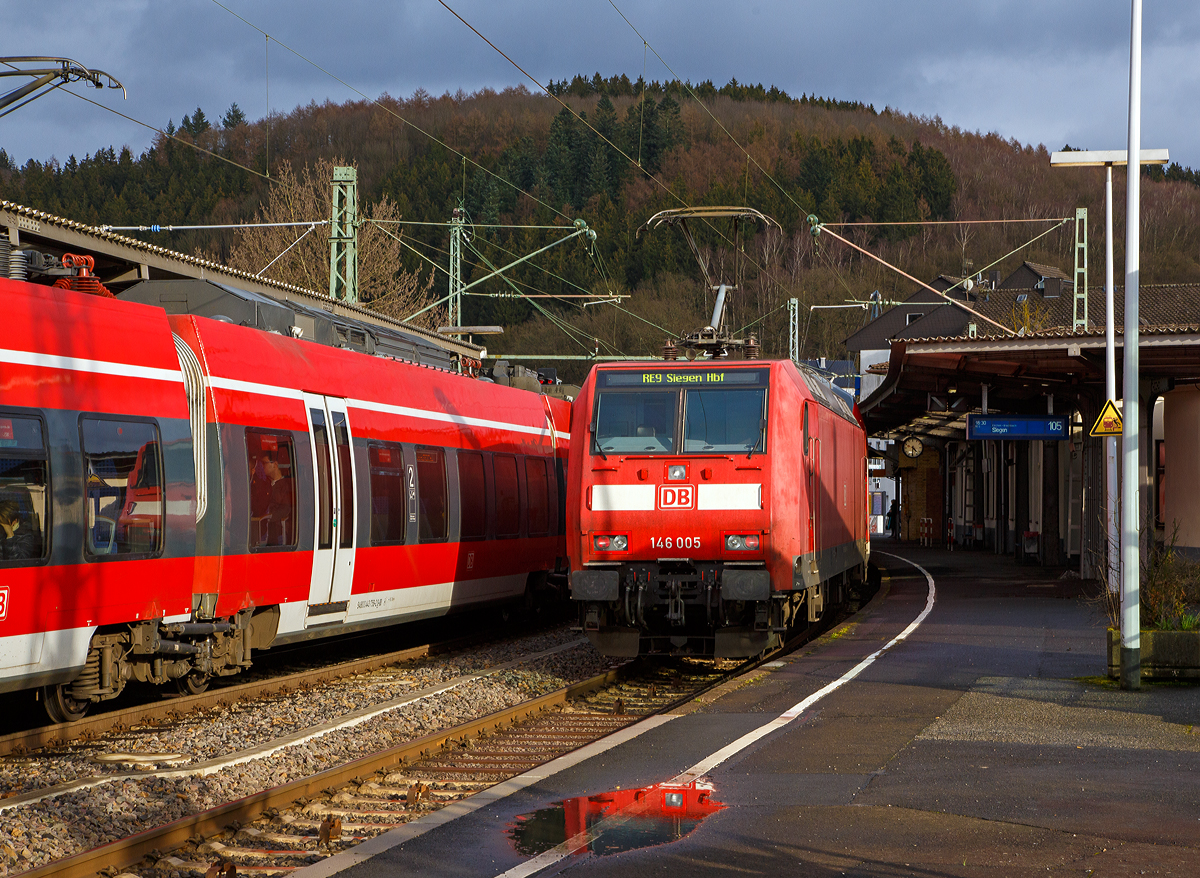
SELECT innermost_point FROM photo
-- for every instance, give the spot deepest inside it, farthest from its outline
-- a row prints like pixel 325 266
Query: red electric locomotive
pixel 712 505
pixel 178 490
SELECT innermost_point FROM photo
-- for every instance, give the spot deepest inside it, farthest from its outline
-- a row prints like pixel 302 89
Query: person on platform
pixel 893 519
pixel 19 541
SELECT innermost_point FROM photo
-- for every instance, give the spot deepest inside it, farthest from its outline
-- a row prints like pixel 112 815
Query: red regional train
pixel 180 490
pixel 712 505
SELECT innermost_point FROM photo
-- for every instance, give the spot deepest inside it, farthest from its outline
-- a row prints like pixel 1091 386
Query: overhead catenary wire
pixel 957 222
pixel 175 228
pixel 583 120
pixel 788 195
pixel 157 130
pixel 905 274
pixel 394 114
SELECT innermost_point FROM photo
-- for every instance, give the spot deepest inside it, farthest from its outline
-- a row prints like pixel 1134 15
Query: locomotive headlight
pixel 677 472
pixel 742 542
pixel 610 543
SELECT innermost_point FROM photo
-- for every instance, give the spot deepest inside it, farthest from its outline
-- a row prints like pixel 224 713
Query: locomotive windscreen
pixel 693 411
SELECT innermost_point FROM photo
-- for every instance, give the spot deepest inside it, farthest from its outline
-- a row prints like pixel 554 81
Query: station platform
pixel 959 725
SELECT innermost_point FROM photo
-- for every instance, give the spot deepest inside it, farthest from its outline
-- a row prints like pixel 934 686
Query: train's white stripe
pixel 95 367
pixel 271 390
pixel 128 370
pixel 729 497
pixel 623 498
pixel 448 418
pixel 641 498
pixel 278 392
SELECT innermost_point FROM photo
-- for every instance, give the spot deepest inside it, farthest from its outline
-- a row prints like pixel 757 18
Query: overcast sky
pixel 1040 71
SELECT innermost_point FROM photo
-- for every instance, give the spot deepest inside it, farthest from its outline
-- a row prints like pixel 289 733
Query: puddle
pixel 621 820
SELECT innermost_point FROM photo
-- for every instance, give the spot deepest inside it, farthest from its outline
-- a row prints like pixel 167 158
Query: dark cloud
pixel 1048 72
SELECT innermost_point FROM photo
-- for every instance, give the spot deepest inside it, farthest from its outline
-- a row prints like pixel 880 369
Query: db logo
pixel 676 497
pixel 3 602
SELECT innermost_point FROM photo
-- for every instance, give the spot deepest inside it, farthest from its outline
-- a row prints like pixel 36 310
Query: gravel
pixel 65 824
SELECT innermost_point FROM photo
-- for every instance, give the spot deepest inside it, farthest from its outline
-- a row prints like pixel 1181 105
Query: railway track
pixel 294 824
pixel 279 829
pixel 90 727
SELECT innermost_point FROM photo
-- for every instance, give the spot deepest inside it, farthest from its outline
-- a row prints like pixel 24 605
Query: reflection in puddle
pixel 621 820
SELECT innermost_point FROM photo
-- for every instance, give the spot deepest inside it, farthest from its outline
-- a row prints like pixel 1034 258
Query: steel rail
pixel 128 852
pixel 17 743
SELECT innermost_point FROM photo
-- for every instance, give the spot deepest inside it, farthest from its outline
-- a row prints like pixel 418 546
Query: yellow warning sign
pixel 1109 422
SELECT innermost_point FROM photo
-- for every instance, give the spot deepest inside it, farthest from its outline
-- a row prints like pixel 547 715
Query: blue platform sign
pixel 1047 427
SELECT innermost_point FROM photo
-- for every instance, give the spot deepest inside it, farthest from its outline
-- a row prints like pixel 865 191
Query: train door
pixel 812 471
pixel 334 490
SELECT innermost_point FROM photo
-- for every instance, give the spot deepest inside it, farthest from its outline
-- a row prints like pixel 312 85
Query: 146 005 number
pixel 674 542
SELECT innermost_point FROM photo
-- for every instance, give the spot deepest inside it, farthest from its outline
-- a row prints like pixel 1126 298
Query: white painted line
pixel 701 768
pixel 401 834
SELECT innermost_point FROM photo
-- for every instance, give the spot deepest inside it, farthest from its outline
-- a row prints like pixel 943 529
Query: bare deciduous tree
pixel 383 285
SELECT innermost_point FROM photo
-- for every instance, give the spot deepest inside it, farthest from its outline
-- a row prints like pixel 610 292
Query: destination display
pixel 1048 427
pixel 682 377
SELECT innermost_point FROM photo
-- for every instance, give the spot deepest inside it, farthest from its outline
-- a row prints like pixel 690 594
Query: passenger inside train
pixel 272 491
pixel 23 467
pixel 20 541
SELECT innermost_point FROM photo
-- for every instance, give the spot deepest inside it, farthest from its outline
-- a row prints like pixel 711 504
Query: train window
pixel 123 487
pixel 324 480
pixel 24 519
pixel 635 422
pixel 270 461
pixel 431 493
pixel 508 496
pixel 387 495
pixel 805 427
pixel 341 436
pixel 537 489
pixel 472 496
pixel 719 420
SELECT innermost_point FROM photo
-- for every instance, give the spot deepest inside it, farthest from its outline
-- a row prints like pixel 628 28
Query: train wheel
pixel 193 684
pixel 61 707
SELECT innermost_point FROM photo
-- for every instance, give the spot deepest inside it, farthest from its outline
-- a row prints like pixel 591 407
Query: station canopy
pixel 932 384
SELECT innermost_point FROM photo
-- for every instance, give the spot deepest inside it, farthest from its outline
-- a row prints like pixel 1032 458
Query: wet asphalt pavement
pixel 984 744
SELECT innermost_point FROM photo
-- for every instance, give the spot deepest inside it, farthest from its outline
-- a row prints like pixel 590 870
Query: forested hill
pixel 516 158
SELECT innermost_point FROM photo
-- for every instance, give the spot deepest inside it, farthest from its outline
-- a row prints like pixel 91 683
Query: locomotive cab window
pixel 270 458
pixel 123 487
pixel 431 494
pixel 387 495
pixel 635 422
pixel 24 498
pixel 714 410
pixel 719 421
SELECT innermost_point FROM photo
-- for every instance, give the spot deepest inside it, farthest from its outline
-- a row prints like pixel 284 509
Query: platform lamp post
pixel 1107 158
pixel 1131 512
